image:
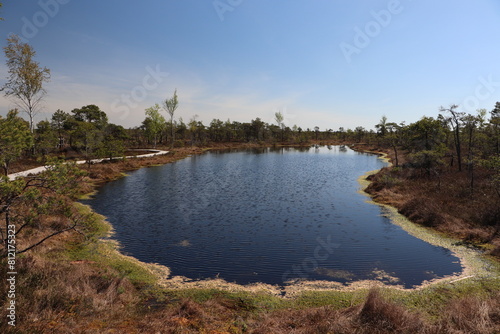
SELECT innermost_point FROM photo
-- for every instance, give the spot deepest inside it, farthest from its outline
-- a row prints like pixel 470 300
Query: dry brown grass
pixel 376 315
pixel 383 316
pixel 24 164
pixel 445 202
pixel 472 315
pixel 60 294
pixel 106 311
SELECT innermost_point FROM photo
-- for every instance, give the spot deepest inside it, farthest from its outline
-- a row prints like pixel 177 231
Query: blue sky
pixel 326 63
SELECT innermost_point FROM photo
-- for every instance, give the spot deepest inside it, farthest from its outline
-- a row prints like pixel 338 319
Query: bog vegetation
pixel 446 175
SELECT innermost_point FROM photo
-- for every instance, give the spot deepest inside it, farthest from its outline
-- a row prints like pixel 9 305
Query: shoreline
pixel 474 264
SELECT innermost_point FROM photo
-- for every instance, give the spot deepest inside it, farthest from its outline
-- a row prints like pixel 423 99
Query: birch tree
pixel 26 77
pixel 170 106
pixel 279 118
pixel 156 122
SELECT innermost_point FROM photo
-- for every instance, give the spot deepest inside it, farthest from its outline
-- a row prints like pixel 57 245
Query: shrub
pixel 423 212
pixel 382 316
pixel 472 315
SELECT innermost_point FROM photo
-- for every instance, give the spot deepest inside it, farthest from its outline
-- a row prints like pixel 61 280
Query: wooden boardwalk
pixel 41 169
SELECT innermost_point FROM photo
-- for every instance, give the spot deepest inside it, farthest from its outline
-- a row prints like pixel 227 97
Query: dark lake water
pixel 266 215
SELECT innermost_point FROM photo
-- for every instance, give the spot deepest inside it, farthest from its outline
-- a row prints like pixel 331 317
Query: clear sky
pixel 326 63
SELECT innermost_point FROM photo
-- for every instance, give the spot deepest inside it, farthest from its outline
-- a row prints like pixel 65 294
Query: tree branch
pixel 72 227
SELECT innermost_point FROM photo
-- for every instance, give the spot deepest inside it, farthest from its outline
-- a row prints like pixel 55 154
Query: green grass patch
pixel 105 253
pixel 432 299
pixel 248 301
pixel 335 299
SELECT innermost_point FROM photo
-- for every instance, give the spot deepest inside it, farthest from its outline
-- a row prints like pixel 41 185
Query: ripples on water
pixel 266 215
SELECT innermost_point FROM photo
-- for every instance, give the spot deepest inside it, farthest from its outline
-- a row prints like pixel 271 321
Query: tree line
pixel 456 138
pixel 452 137
pixel 452 140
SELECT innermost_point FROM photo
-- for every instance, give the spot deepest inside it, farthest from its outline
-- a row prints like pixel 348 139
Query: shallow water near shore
pixel 267 215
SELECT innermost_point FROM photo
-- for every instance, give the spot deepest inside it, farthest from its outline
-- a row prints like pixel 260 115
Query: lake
pixel 266 215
